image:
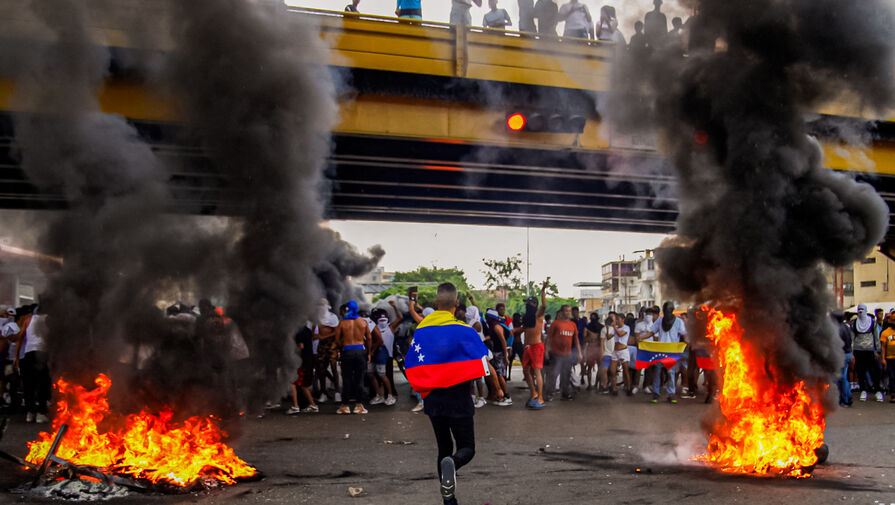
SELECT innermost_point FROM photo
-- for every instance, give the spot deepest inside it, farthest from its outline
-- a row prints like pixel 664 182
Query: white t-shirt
pixel 388 337
pixel 8 329
pixel 678 330
pixel 33 339
pixel 607 336
pixel 641 328
pixel 575 15
pixel 622 339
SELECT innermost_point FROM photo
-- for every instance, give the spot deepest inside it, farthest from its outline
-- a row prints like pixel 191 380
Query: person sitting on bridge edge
pixel 460 11
pixel 409 9
pixel 445 355
pixel 352 7
pixel 496 18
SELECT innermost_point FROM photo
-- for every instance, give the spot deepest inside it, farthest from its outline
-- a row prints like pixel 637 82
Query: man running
pixel 447 354
pixel 353 338
pixel 533 356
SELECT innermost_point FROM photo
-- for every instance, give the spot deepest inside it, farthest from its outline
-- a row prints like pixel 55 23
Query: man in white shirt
pixel 620 353
pixel 668 328
pixel 578 20
pixel 460 11
pixel 35 374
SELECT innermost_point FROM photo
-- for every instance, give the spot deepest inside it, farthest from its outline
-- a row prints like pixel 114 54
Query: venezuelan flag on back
pixel 444 352
pixel 666 353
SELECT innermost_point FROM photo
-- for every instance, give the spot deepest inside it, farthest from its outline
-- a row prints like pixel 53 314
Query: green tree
pixel 504 275
pixel 426 294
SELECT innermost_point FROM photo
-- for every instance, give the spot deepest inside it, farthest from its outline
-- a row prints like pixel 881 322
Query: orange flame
pixel 146 446
pixel 767 428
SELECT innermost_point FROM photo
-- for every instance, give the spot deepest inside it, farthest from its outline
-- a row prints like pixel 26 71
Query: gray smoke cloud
pixel 759 213
pixel 249 81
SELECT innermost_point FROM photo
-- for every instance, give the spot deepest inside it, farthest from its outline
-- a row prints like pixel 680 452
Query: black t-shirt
pixel 305 337
pixel 846 335
pixel 454 401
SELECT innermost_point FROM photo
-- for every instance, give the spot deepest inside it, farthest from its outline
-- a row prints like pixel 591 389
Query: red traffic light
pixel 516 122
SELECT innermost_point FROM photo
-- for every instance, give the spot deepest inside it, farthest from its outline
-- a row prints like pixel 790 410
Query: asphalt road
pixel 585 451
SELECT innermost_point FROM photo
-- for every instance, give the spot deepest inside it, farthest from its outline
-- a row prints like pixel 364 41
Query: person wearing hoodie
pixel 866 349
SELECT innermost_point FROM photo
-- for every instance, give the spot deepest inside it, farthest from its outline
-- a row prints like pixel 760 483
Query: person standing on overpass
pixel 496 18
pixel 409 9
pixel 460 11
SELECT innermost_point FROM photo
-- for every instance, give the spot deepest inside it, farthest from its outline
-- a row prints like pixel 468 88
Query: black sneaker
pixel 671 400
pixel 448 478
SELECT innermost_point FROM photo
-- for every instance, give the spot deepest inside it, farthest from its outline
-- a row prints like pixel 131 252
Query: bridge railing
pixel 434 48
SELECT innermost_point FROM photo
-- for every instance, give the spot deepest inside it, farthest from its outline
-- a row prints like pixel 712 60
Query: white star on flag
pixel 422 357
pixel 416 348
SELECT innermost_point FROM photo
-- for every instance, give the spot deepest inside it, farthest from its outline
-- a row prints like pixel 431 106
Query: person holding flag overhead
pixel 668 348
pixel 445 355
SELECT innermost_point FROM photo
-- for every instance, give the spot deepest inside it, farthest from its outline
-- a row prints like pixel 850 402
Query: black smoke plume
pixel 250 82
pixel 759 213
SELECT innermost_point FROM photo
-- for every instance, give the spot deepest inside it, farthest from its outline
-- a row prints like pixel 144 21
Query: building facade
pixel 872 279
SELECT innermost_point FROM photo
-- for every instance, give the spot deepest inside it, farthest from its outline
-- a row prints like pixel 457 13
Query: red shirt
pixel 561 335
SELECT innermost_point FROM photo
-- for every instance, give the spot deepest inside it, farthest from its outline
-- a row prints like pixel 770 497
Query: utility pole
pixel 528 260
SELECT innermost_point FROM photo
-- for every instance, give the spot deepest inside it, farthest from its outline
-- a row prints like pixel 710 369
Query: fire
pixel 143 446
pixel 767 428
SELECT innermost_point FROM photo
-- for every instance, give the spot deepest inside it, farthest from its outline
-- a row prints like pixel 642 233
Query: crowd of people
pixel 25 379
pixel 560 357
pixel 542 17
pixel 868 341
pixel 353 358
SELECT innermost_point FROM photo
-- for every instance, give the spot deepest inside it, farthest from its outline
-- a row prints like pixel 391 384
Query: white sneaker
pixel 391 400
pixel 29 417
pixel 478 403
pixel 647 390
pixel 322 398
pixel 292 411
pixel 635 390
pixel 419 407
pixel 43 419
pixel 879 398
pixel 377 400
pixel 337 397
pixel 503 403
pixel 863 397
pixel 310 409
pixel 272 405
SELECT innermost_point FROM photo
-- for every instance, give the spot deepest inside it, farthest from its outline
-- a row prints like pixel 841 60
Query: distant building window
pixel 868 284
pixel 650 264
pixel 867 261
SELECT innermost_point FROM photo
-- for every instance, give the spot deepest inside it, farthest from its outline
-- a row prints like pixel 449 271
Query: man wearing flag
pixel 445 355
pixel 669 332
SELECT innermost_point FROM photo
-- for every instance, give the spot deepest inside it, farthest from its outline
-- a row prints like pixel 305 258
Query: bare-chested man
pixel 354 341
pixel 533 356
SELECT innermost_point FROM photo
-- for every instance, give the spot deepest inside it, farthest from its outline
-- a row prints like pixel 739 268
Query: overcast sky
pixel 438 10
pixel 567 256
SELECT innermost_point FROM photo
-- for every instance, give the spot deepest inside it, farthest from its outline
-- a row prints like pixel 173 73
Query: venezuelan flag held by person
pixel 665 353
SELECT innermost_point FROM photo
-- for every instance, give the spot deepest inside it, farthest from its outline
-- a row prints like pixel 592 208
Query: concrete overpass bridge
pixel 423 133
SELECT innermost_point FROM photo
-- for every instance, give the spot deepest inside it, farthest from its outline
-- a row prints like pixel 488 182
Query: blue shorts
pixel 607 360
pixel 378 363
